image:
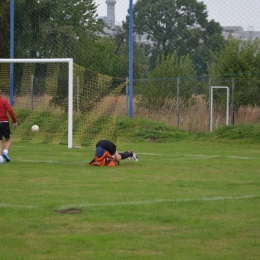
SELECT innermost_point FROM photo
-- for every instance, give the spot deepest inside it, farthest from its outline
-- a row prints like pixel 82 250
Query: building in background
pixel 110 19
pixel 236 32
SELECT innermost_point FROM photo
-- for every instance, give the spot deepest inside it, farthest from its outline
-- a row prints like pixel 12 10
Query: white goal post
pixel 211 104
pixel 70 85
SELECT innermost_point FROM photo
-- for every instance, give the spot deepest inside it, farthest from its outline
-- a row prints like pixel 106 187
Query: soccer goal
pixel 69 103
pixel 212 102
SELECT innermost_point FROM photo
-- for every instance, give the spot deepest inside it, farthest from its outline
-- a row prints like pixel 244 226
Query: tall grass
pixel 194 113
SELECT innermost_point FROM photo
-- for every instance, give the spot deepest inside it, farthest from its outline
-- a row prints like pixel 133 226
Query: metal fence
pixel 189 104
pixel 201 44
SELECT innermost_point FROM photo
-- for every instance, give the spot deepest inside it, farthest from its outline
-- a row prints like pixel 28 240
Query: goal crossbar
pixel 70 85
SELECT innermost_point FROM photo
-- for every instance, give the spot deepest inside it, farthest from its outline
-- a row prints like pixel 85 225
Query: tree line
pixel 176 30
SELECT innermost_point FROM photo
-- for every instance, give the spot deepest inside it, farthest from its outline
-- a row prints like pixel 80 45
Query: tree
pixel 4 29
pixel 100 56
pixel 177 25
pixel 61 29
pixel 172 66
pixel 240 59
pixel 30 15
pixel 140 63
pixel 41 25
pixel 81 15
pixel 162 81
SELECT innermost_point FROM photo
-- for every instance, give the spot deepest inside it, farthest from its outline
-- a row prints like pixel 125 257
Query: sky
pixel 245 13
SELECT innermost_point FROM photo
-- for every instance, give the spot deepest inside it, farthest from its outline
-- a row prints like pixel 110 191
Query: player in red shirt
pixel 5 108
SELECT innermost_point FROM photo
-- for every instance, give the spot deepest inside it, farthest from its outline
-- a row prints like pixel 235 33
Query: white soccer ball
pixel 35 128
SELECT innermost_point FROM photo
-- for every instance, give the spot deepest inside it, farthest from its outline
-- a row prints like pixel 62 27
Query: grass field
pixel 191 199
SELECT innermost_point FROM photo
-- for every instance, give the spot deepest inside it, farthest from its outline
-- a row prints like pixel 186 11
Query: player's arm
pixel 11 113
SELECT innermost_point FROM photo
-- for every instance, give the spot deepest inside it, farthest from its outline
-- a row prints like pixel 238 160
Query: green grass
pixel 193 197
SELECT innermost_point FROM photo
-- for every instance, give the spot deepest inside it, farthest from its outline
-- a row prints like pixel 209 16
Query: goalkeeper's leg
pixel 128 155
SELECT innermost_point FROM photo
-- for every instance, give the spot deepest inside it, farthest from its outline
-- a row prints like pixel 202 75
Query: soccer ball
pixel 35 128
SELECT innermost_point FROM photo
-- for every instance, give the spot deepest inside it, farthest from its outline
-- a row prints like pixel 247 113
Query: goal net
pixel 220 103
pixel 71 105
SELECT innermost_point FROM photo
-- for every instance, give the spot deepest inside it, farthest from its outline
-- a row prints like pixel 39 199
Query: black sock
pixel 126 155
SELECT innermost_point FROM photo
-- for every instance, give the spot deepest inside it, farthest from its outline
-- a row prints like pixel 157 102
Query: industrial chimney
pixel 111 12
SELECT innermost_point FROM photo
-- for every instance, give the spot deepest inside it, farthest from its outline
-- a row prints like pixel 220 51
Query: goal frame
pixel 211 104
pixel 70 86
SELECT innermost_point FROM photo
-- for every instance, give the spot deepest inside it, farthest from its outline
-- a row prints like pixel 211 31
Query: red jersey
pixel 4 108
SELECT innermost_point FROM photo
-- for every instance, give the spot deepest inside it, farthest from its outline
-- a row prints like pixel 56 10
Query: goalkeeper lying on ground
pixel 106 154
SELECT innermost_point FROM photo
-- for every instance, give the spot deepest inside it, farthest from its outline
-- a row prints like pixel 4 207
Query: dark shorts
pixel 107 145
pixel 5 130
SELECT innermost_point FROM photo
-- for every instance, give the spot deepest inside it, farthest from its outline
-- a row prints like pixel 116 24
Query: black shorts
pixel 5 130
pixel 107 145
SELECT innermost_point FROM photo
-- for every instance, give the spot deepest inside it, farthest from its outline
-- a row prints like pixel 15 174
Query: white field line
pixel 145 202
pixel 198 156
pixel 55 162
pixel 166 157
pixel 221 198
pixel 39 161
pixel 5 205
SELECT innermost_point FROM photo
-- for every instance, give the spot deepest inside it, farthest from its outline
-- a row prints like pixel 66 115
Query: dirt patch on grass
pixel 68 211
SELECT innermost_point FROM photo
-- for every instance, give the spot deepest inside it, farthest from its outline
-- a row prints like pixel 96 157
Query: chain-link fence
pixel 180 49
pixel 189 104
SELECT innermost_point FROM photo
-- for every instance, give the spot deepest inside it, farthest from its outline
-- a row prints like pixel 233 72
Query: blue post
pixel 11 51
pixel 130 58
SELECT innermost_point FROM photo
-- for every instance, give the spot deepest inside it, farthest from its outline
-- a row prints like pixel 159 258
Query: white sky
pixel 245 13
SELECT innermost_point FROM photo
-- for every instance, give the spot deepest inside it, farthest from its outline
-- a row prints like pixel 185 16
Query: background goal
pixel 71 105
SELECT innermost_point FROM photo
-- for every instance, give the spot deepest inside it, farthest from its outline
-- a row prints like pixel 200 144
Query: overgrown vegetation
pixel 53 127
pixel 239 59
pixel 143 129
pixel 148 130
